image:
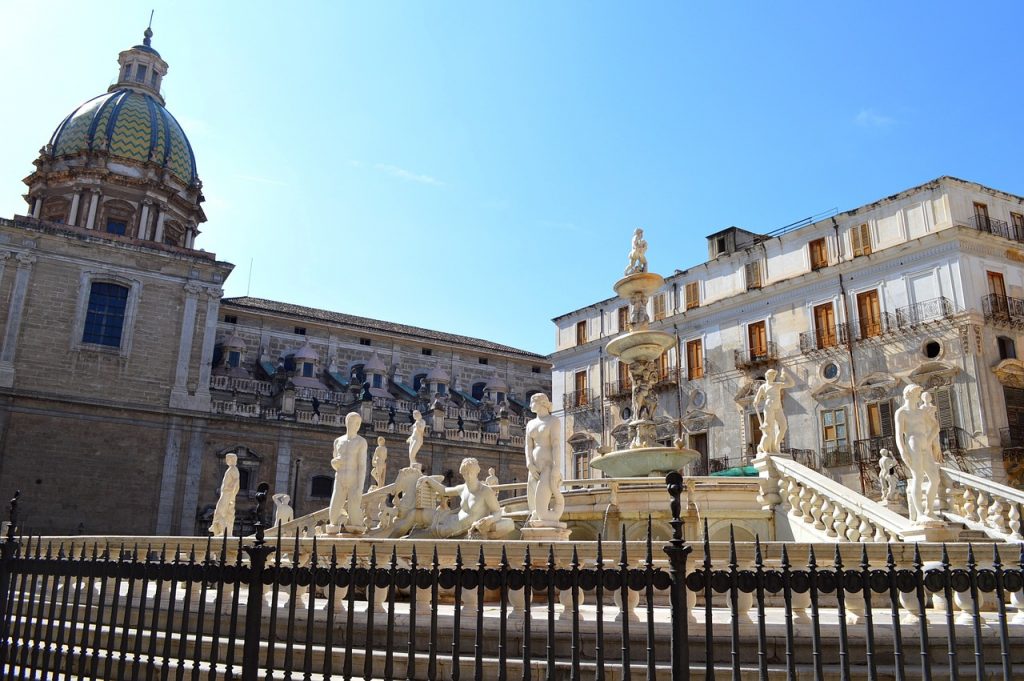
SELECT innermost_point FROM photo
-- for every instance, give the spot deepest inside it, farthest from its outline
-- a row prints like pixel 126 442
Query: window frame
pixel 695 371
pixel 691 302
pixel 658 307
pixel 818 252
pixel 860 240
pixel 581 332
pixel 86 279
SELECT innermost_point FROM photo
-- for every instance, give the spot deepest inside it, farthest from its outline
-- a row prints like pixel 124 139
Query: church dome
pixel 128 124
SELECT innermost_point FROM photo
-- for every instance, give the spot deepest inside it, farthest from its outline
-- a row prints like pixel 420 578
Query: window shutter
pixel 753 274
pixel 943 398
pixel 885 411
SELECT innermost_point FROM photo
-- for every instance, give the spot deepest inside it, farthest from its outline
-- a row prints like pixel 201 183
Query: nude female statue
pixel 914 434
pixel 349 464
pixel 416 435
pixel 380 462
pixel 544 463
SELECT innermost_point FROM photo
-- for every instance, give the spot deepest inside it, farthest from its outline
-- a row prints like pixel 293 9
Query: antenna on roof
pixel 151 18
pixel 249 283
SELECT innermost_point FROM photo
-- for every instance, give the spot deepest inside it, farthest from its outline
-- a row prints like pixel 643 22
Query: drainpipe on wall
pixel 849 347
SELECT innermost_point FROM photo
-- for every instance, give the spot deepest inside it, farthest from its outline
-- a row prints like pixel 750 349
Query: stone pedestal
pixel 532 532
pixel 933 531
pixel 898 505
pixel 437 422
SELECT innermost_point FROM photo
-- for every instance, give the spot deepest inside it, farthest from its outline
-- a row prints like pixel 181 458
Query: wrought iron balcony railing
pixel 1011 437
pixel 999 308
pixel 617 390
pixel 983 223
pixel 824 338
pixel 806 457
pixel 753 357
pixel 835 454
pixel 925 311
pixel 578 400
pixel 669 378
pixel 874 327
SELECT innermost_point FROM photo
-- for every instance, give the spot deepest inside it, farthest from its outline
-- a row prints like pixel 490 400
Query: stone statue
pixel 380 462
pixel 416 435
pixel 913 430
pixel 768 406
pixel 637 254
pixel 349 464
pixel 887 474
pixel 224 511
pixel 283 511
pixel 478 513
pixel 544 463
pixel 932 413
pixel 491 480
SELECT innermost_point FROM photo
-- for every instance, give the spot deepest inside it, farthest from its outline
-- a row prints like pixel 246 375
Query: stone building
pixel 125 378
pixel 923 286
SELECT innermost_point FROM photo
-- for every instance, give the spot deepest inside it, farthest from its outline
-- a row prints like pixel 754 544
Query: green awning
pixel 737 472
pixel 268 368
pixel 337 378
pixel 467 397
pixel 403 387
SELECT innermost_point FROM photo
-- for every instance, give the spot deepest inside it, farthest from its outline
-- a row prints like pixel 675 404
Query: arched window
pixel 478 390
pixel 321 486
pixel 1007 348
pixel 104 319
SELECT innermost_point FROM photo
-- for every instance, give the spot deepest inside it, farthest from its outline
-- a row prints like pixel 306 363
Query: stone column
pixel 282 474
pixel 144 219
pixel 190 237
pixel 73 215
pixel 158 236
pixel 193 469
pixel 206 357
pixel 90 222
pixel 14 314
pixel 37 207
pixel 169 479
pixel 179 393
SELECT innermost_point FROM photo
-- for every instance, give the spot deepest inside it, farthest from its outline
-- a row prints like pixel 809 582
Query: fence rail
pixel 302 608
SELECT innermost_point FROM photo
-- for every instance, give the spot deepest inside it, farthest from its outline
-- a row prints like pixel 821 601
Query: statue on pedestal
pixel 380 462
pixel 283 511
pixel 478 513
pixel 637 254
pixel 915 433
pixel 416 435
pixel 349 464
pixel 224 511
pixel 544 463
pixel 491 480
pixel 887 475
pixel 768 407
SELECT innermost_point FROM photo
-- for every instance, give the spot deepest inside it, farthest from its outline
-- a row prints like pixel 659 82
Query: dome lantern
pixel 141 68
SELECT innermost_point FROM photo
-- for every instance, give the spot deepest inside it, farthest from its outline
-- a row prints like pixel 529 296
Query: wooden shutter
pixel 869 314
pixel 825 325
pixel 943 399
pixel 659 306
pixel 581 332
pixel 996 285
pixel 819 254
pixel 692 295
pixel 753 274
pixel 694 360
pixel 623 318
pixel 757 334
pixel 860 240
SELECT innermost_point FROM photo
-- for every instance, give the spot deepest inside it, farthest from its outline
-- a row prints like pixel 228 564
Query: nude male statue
pixel 416 436
pixel 768 406
pixel 544 463
pixel 914 434
pixel 380 462
pixel 637 253
pixel 349 464
pixel 224 511
pixel 478 512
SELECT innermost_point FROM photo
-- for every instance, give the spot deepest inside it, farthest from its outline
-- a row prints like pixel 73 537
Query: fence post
pixel 678 551
pixel 257 553
pixel 7 551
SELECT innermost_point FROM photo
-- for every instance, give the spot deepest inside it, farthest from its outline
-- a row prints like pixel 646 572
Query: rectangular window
pixel 757 339
pixel 819 254
pixel 623 318
pixel 230 319
pixel 300 331
pixel 535 370
pixel 582 464
pixel 307 370
pixel 625 382
pixel 427 351
pixel 234 358
pixel 860 240
pixel 663 365
pixel 481 360
pixel 719 245
pixel 753 275
pixel 659 306
pixel 377 380
pixel 581 332
pixel 833 429
pixel 140 73
pixel 692 293
pixel 1017 224
pixel 580 385
pixel 996 285
pixel 981 216
pixel 869 314
pixel 115 226
pixel 825 326
pixel 694 359
pixel 441 389
pixel 880 423
pixel 364 341
pixel 753 431
pixel 104 320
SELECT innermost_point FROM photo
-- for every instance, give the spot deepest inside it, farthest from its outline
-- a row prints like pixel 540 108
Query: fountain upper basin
pixel 644 461
pixel 640 345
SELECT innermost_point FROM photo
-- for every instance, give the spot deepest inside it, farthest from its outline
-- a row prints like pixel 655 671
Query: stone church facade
pixel 125 377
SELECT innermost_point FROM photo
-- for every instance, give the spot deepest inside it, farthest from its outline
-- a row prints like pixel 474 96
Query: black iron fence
pixel 983 223
pixel 823 338
pixel 924 311
pixel 233 609
pixel 752 357
pixel 1000 308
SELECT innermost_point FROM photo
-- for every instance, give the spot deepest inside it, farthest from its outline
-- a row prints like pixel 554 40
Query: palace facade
pixel 125 378
pixel 924 286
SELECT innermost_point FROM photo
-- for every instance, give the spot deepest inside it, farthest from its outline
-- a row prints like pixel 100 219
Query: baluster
pixel 982 508
pixel 879 535
pixel 839 521
pixel 967 505
pixel 1015 520
pixel 827 521
pixel 805 504
pixel 817 508
pixel 865 529
pixel 852 523
pixel 793 497
pixel 996 514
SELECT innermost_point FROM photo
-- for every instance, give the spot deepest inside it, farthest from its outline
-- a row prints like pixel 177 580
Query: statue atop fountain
pixel 640 349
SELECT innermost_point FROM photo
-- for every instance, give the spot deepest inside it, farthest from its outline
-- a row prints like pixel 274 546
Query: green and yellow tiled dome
pixel 127 124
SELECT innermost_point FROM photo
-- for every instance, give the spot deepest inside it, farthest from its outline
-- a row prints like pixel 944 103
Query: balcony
pixel 1011 438
pixel 806 457
pixel 1000 228
pixel 824 339
pixel 755 357
pixel 668 378
pixel 618 390
pixel 835 454
pixel 578 400
pixel 926 311
pixel 866 329
pixel 1003 309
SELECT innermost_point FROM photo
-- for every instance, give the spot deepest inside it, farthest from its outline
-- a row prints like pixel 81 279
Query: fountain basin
pixel 640 345
pixel 644 462
pixel 638 282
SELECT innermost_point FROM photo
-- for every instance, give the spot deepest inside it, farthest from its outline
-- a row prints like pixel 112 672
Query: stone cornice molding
pixel 25 259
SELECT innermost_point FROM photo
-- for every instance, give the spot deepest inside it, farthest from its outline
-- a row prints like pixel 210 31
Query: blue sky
pixel 479 167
